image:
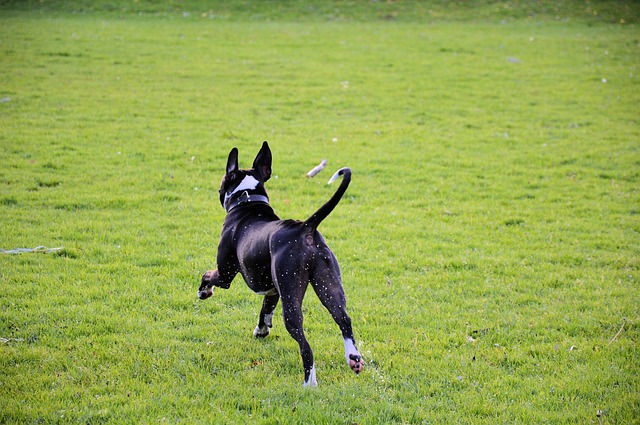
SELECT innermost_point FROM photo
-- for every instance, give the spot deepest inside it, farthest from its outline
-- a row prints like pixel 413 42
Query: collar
pixel 244 198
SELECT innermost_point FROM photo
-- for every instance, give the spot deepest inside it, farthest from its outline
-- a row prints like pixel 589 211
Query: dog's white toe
pixel 311 382
pixel 261 332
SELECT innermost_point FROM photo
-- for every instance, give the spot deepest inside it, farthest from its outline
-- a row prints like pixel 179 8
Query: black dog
pixel 278 258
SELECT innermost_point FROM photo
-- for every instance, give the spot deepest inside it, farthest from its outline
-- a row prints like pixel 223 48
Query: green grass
pixel 489 240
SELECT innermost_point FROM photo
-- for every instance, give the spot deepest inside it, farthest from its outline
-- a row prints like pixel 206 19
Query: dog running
pixel 279 258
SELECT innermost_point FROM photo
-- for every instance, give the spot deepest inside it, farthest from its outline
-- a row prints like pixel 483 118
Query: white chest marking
pixel 247 183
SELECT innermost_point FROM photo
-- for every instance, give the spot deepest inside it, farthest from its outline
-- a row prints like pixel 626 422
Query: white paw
pixel 311 382
pixel 355 363
pixel 261 332
pixel 354 360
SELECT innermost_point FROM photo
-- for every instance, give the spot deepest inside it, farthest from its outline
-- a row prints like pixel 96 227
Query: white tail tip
pixel 335 176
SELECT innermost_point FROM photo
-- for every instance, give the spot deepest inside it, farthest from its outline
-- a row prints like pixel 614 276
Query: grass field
pixel 489 242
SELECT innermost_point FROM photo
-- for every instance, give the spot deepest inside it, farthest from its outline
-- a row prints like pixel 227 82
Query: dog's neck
pixel 245 197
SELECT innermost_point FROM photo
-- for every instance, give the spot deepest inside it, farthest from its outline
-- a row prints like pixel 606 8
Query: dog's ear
pixel 232 162
pixel 262 163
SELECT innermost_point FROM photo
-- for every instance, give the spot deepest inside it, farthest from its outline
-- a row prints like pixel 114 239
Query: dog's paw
pixel 355 363
pixel 208 281
pixel 205 293
pixel 311 381
pixel 261 332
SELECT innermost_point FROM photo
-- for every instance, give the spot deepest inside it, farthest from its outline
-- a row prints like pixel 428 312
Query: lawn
pixel 489 241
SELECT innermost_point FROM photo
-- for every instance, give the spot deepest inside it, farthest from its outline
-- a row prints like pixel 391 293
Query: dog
pixel 279 258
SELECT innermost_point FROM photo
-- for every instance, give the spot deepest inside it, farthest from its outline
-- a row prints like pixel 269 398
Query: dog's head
pixel 238 183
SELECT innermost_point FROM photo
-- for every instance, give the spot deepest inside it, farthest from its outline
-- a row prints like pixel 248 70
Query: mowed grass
pixel 488 243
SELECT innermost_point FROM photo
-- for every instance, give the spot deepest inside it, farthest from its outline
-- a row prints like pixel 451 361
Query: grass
pixel 489 241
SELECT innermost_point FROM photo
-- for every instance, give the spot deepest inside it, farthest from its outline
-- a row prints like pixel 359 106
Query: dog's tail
pixel 322 213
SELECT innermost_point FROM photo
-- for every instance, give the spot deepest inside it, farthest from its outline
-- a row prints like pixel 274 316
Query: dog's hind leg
pixel 292 312
pixel 266 316
pixel 327 284
pixel 291 280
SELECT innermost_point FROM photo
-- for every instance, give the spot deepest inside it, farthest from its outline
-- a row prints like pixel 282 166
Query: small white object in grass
pixel 315 170
pixel 334 140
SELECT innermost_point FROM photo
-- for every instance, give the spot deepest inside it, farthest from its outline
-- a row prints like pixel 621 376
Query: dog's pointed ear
pixel 232 162
pixel 262 163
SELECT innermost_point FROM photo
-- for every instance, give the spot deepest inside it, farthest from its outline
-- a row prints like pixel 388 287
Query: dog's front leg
pixel 220 277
